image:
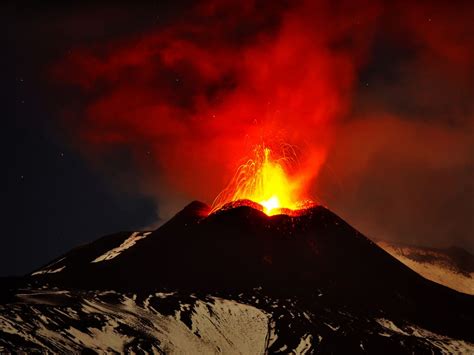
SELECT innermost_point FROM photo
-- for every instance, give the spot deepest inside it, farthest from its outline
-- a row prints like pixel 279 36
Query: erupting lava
pixel 264 180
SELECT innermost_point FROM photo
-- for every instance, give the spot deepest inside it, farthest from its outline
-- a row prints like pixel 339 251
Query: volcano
pixel 234 281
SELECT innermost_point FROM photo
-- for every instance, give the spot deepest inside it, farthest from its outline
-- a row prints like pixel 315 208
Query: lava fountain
pixel 265 180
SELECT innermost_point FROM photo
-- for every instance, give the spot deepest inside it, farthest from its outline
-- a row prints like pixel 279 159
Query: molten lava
pixel 264 180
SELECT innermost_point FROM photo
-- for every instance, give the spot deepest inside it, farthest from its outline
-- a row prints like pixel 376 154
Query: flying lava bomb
pixel 266 181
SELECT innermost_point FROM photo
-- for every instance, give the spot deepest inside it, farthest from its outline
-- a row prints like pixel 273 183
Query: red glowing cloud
pixel 190 100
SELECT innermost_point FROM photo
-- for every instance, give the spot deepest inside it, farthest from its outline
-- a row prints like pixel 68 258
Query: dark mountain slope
pixel 238 249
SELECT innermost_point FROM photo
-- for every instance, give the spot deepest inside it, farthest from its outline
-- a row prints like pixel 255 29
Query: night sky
pixel 97 135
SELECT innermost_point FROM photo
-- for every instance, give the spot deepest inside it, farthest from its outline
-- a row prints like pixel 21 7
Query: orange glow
pixel 264 180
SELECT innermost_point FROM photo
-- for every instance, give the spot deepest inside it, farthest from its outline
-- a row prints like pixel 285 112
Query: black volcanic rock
pixel 314 257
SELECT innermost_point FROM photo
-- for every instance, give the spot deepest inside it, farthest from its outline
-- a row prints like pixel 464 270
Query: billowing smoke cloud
pixel 187 102
pixel 402 165
pixel 376 96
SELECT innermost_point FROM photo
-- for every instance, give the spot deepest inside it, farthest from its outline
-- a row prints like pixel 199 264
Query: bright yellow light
pixel 265 181
pixel 270 204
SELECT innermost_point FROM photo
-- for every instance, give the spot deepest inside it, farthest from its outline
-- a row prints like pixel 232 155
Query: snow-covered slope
pixel 451 267
pixel 62 321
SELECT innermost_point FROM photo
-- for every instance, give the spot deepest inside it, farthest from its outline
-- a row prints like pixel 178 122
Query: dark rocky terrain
pixel 236 281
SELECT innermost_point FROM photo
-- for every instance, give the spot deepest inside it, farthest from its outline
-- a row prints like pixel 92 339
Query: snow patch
pixel 216 326
pixel 129 242
pixel 48 271
pixel 105 339
pixel 333 328
pixel 445 344
pixel 231 326
pixel 441 271
pixel 305 344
